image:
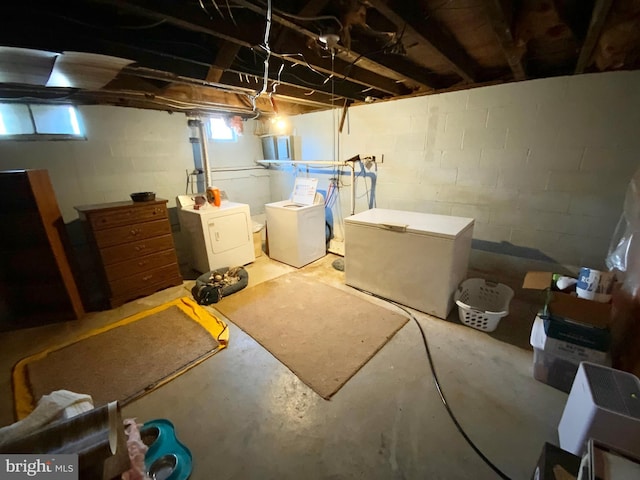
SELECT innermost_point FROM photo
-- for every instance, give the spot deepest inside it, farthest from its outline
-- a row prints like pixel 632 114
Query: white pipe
pixel 353 188
pixel 205 155
pixel 323 162
pixel 304 162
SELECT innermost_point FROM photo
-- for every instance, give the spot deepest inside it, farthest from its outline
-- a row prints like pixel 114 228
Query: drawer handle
pixel 142 263
pixel 147 277
pixel 140 247
pixel 136 231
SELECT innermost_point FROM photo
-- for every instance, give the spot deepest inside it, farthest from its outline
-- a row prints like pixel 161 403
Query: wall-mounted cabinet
pixel 279 147
pixel 37 284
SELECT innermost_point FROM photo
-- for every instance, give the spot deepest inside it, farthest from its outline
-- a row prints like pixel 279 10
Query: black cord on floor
pixel 489 463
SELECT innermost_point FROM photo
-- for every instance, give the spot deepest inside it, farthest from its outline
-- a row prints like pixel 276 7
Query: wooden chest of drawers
pixel 135 248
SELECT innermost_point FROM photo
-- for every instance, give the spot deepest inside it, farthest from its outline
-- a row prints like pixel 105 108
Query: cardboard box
pixel 581 334
pixel 582 344
pixel 563 306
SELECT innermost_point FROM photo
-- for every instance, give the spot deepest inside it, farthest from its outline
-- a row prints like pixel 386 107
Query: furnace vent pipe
pixel 205 154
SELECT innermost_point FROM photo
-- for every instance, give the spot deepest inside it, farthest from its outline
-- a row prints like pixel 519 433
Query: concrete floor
pixel 244 415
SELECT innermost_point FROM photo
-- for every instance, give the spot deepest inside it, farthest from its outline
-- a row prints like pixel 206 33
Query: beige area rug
pixel 124 360
pixel 322 334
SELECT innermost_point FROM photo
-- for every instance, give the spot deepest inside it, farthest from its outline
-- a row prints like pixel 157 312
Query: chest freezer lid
pixel 415 222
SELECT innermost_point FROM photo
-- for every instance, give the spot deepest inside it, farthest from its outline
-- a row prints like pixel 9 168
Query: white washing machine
pixel 217 236
pixel 296 230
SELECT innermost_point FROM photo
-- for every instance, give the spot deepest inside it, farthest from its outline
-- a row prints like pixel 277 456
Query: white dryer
pixel 296 229
pixel 217 236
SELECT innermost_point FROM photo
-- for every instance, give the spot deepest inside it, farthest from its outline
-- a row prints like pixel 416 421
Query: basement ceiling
pixel 293 56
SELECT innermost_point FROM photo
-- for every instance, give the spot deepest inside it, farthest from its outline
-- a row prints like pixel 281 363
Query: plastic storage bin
pixel 481 303
pixel 555 361
pixel 554 370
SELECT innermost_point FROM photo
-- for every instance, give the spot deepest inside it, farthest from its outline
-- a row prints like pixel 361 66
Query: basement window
pixel 220 131
pixel 20 121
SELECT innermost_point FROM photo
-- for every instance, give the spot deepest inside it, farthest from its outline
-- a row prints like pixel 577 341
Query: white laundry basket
pixel 482 303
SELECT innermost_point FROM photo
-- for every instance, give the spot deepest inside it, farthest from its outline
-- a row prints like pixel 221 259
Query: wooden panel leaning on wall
pixel 37 283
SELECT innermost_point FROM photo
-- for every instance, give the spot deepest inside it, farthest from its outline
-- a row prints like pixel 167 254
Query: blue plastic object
pixel 167 458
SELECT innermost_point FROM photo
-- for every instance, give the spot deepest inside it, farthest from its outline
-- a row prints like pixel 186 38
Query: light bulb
pixel 281 124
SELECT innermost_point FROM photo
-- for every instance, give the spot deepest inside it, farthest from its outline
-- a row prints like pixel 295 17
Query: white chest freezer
pixel 415 259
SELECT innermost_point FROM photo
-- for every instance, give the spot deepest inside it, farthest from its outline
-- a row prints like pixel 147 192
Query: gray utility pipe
pixel 205 155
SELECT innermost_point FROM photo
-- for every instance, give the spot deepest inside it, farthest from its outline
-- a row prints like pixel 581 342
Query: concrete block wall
pixel 127 150
pixel 131 150
pixel 234 169
pixel 541 165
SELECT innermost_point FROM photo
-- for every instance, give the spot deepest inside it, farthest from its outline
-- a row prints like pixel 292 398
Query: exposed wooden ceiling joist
pixel 304 77
pixel 310 9
pixel 600 11
pixel 408 16
pixel 250 38
pixel 306 97
pixel 184 18
pixel 395 67
pixel 340 68
pixel 380 49
pixel 501 24
pixel 224 59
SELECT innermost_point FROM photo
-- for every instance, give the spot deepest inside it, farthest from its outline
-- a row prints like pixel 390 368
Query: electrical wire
pixel 267 32
pixel 267 48
pixel 275 84
pixel 301 17
pixel 333 113
pixel 217 8
pixel 488 462
pixel 233 19
pixel 220 334
pixel 204 9
pixel 364 178
pixel 251 67
pixel 313 18
pixel 143 27
pixel 309 66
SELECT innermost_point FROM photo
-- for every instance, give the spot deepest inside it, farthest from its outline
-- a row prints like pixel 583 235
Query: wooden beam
pixel 345 109
pixel 305 95
pixel 224 59
pixel 598 17
pixel 148 73
pixel 302 77
pixel 310 9
pixel 225 30
pixel 394 67
pixel 431 34
pixel 183 18
pixel 502 28
pixel 357 74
